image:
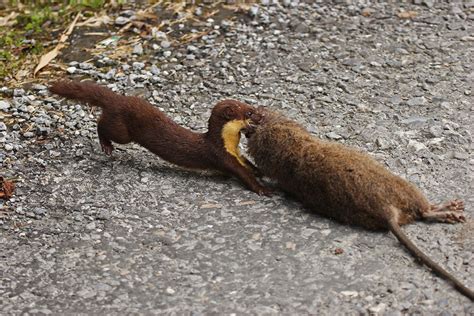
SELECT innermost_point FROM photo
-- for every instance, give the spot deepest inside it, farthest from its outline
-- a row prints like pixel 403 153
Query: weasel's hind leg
pixel 111 128
pixel 104 137
pixel 106 145
pixel 448 212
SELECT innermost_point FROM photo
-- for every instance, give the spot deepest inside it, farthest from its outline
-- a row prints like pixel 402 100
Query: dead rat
pixel 126 119
pixel 344 184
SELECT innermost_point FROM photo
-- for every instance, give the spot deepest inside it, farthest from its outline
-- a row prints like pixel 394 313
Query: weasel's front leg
pixel 252 167
pixel 233 167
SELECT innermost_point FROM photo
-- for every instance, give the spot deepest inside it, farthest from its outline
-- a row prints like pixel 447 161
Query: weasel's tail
pixel 403 238
pixel 86 92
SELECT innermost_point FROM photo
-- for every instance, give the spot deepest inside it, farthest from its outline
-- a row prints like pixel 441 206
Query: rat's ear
pixel 229 113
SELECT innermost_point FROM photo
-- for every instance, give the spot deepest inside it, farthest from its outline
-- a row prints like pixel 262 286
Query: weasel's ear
pixel 229 113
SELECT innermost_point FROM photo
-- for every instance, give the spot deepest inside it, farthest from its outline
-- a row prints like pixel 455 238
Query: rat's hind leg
pixel 448 212
pixel 453 205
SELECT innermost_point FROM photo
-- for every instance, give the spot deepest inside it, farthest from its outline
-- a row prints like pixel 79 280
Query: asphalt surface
pixel 131 234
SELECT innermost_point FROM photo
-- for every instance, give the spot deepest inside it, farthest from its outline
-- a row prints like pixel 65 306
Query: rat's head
pixel 261 116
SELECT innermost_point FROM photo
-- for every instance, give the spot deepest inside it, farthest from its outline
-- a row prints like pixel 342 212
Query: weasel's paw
pixel 107 149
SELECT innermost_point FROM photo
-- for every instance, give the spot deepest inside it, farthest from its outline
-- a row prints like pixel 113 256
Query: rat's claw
pixel 265 191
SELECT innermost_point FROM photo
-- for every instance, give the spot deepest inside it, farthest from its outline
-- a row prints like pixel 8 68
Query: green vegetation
pixel 26 35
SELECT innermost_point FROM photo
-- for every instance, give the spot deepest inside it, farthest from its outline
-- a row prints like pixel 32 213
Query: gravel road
pixel 90 234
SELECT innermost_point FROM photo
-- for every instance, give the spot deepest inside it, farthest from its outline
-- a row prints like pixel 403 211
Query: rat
pixel 126 119
pixel 345 184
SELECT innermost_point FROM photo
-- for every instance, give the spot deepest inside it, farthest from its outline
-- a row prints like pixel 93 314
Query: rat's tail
pixel 415 251
pixel 86 92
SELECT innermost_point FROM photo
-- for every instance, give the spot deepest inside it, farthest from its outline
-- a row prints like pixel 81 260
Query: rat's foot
pixel 450 217
pixel 265 191
pixel 107 147
pixel 449 206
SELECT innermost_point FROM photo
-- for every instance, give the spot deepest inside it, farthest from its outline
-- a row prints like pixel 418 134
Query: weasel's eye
pixel 249 114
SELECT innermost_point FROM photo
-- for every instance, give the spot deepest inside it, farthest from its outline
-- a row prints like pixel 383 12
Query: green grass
pixel 34 25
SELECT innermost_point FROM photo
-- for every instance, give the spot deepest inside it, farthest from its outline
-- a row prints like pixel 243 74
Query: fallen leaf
pixel 96 21
pixel 193 36
pixel 8 20
pixel 338 251
pixel 407 14
pixel 246 203
pixel 108 41
pixel 48 57
pixel 6 188
pixel 242 7
pixel 209 205
pixel 143 15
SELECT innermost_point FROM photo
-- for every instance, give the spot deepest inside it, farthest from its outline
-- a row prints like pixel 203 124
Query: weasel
pixel 126 119
pixel 344 184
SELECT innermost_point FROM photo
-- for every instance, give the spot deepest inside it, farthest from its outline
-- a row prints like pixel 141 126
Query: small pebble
pixel 154 70
pixel 138 66
pixel 165 44
pixel 4 105
pixel 138 49
pixel 121 20
pixel 416 101
pixel 71 70
pixel 333 135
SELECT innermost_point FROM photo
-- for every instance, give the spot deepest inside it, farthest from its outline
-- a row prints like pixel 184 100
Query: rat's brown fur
pixel 127 119
pixel 345 184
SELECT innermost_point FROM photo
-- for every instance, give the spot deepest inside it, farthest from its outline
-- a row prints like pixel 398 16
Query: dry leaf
pixel 48 57
pixel 407 14
pixel 8 20
pixel 143 15
pixel 6 188
pixel 95 21
pixel 246 203
pixel 108 41
pixel 193 36
pixel 238 7
pixel 210 205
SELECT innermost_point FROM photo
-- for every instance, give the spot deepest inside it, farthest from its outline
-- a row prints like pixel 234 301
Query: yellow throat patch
pixel 231 136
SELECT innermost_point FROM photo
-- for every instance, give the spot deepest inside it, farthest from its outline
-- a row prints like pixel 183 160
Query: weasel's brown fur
pixel 345 184
pixel 127 119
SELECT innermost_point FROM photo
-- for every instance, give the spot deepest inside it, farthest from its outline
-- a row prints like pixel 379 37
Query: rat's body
pixel 344 184
pixel 126 119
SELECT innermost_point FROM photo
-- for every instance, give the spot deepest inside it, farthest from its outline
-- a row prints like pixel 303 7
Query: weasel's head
pixel 233 115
